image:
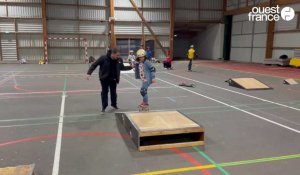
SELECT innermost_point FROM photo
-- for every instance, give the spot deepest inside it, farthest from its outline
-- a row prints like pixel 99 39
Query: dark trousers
pixel 108 85
pixel 167 65
pixel 190 65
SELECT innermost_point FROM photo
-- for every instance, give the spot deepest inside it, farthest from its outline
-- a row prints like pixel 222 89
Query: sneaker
pixel 115 107
pixel 142 105
pixel 102 111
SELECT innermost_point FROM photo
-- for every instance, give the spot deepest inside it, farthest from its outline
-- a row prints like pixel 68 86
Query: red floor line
pixel 53 136
pixel 190 159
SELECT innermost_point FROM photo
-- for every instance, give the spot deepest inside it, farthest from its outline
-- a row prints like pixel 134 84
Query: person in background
pixel 191 55
pixel 91 61
pixel 146 74
pixel 149 54
pixel 109 74
pixel 131 58
pixel 42 61
pixel 22 61
pixel 168 61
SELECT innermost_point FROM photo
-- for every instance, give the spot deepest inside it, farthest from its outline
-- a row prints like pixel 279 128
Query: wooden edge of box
pixel 170 132
pixel 168 146
pixel 21 169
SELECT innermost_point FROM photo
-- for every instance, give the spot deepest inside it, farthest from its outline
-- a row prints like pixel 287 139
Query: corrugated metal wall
pixel 234 4
pixel 22 34
pixel 87 19
pixel 287 36
pixel 197 10
pixel 248 41
pixel 156 12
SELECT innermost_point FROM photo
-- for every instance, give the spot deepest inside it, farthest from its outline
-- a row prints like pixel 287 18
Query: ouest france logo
pixel 271 14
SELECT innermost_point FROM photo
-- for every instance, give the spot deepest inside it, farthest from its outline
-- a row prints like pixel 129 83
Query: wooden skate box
pixel 161 130
pixel 18 170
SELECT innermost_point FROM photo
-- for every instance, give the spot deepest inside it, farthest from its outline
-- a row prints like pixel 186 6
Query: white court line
pixel 55 170
pixel 41 75
pixel 130 81
pixel 218 87
pixel 234 107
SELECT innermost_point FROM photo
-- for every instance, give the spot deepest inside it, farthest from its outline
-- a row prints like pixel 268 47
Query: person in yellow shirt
pixel 191 55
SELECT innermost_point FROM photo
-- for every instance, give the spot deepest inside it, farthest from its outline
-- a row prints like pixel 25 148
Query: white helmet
pixel 140 53
pixel 131 51
pixel 192 46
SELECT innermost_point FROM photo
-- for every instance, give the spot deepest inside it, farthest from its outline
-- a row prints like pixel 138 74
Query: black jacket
pixel 104 63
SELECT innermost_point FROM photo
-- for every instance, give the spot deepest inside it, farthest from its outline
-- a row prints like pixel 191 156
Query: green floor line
pixel 212 161
pixel 262 160
pixel 97 114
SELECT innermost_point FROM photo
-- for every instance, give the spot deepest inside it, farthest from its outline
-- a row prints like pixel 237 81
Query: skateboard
pixel 143 109
pixel 187 85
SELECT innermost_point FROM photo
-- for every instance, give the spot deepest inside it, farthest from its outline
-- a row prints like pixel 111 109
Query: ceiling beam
pixel 172 18
pixel 112 24
pixel 45 32
pixel 148 26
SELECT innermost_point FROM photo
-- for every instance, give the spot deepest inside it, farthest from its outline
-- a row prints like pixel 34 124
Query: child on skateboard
pixel 147 75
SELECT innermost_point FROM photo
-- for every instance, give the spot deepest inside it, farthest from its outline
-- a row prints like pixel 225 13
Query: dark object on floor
pixel 283 57
pixel 247 83
pixel 187 85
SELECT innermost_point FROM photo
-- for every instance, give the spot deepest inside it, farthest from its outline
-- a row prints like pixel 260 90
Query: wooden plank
pixel 19 170
pixel 298 20
pixel 270 34
pixel 290 81
pixel 45 32
pixel 168 146
pixel 172 17
pixel 161 121
pixel 143 27
pixel 161 130
pixel 148 26
pixel 169 132
pixel 250 83
pixel 224 6
pixel 270 40
pixel 17 40
pixel 112 24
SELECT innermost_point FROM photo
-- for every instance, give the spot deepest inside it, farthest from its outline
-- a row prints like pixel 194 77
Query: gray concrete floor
pixel 238 126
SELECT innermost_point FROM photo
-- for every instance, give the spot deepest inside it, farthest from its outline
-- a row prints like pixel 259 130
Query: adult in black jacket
pixel 109 75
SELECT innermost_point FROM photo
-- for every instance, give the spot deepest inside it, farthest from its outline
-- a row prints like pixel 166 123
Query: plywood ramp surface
pixel 290 81
pixel 250 83
pixel 169 120
pixel 19 170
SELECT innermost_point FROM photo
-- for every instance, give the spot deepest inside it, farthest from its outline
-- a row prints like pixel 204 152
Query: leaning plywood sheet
pixel 18 170
pixel 162 130
pixel 290 81
pixel 248 83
